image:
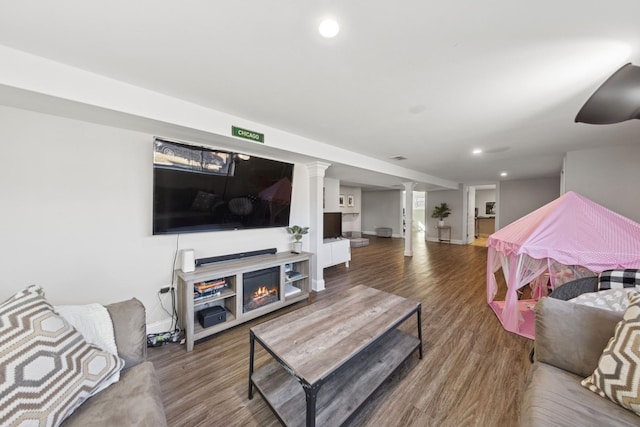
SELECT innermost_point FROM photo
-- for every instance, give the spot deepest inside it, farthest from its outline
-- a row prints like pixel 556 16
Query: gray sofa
pixel 569 341
pixel 136 399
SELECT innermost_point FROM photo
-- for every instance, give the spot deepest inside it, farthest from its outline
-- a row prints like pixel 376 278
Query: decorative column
pixel 316 184
pixel 408 218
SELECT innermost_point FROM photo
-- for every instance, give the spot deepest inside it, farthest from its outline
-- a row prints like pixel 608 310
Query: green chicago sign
pixel 247 134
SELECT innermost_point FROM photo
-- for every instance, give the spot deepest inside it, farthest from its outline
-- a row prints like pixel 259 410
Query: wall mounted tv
pixel 332 225
pixel 197 189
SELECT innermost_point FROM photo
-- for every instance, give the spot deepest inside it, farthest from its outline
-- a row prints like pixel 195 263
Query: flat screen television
pixel 197 189
pixel 332 225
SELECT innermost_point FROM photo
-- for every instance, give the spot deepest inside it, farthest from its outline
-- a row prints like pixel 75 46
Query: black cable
pixel 174 328
pixel 156 340
pixel 177 329
pixel 174 313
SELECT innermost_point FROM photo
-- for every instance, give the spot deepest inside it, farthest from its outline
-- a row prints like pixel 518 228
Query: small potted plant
pixel 297 233
pixel 441 212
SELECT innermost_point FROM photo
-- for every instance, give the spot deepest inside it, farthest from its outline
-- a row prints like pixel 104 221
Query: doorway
pixel 481 218
pixel 419 220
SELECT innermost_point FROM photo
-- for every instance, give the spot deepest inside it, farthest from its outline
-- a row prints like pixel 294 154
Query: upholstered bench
pixel 383 231
pixel 355 239
pixel 358 242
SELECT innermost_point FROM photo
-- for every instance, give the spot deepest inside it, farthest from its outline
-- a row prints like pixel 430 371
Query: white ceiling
pixel 426 80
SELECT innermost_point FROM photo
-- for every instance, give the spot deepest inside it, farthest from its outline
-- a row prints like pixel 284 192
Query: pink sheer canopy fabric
pixel 568 238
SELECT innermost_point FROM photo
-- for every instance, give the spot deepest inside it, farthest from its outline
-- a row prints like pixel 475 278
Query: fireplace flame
pixel 263 291
pixel 260 289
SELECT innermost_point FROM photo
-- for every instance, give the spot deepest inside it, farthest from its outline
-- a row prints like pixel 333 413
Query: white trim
pixel 454 242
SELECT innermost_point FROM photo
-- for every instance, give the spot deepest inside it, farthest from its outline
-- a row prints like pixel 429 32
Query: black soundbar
pixel 210 260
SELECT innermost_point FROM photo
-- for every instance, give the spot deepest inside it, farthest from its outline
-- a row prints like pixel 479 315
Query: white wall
pixel 608 176
pixel 76 214
pixel 352 220
pixel 520 197
pixel 382 209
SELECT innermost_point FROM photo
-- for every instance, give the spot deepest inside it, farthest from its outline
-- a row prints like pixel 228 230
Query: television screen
pixel 199 189
pixel 332 225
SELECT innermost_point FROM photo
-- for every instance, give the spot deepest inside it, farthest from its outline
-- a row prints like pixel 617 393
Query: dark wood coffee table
pixel 346 345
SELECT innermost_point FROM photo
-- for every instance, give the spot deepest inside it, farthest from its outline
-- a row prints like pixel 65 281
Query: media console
pixel 245 288
pixel 336 251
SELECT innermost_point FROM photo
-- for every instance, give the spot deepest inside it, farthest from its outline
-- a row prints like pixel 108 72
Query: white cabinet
pixel 336 251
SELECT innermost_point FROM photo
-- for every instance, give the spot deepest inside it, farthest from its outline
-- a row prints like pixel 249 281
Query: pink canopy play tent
pixel 568 238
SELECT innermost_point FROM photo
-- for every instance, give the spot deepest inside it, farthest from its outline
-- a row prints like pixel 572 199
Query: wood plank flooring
pixel 472 374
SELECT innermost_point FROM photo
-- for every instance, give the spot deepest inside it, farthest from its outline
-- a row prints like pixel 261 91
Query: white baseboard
pixel 428 239
pixel 160 326
pixel 455 242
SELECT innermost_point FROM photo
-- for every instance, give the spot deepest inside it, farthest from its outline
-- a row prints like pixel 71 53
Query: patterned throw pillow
pixel 618 279
pixel 617 376
pixel 609 299
pixel 46 368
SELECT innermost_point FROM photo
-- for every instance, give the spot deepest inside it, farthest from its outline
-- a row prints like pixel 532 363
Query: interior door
pixel 471 214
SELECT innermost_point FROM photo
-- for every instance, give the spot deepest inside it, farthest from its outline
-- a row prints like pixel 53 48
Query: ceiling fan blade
pixel 616 100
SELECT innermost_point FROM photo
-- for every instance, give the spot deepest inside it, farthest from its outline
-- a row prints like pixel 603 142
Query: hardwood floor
pixel 472 372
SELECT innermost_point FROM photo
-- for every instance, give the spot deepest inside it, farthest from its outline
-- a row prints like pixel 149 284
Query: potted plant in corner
pixel 441 212
pixel 297 233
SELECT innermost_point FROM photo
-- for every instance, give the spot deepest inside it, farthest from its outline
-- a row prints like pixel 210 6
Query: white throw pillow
pixel 94 323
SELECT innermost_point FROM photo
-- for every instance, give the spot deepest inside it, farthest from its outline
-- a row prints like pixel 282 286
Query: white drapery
pixel 518 271
pixel 521 270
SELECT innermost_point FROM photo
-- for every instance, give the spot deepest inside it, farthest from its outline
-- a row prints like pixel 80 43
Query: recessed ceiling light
pixel 329 28
pixel 503 174
pixel 477 151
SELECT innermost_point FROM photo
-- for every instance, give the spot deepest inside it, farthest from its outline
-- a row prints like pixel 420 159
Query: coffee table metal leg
pixel 251 351
pixel 311 392
pixel 419 312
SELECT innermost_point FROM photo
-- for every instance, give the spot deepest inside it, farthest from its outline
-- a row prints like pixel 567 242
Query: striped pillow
pixel 617 376
pixel 47 368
